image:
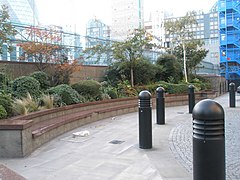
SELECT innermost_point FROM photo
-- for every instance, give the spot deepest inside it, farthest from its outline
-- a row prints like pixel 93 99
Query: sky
pixel 78 12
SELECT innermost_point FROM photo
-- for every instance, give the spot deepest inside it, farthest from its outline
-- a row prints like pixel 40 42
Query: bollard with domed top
pixel 145 120
pixel 232 94
pixel 208 141
pixel 160 106
pixel 191 98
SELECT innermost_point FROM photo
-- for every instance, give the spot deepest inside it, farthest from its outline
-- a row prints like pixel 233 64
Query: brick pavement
pixel 180 139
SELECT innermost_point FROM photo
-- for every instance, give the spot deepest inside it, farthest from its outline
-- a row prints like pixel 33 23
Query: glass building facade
pixel 22 11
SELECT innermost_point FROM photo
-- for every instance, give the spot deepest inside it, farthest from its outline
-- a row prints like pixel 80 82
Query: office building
pixel 127 15
pixel 96 33
pixel 22 11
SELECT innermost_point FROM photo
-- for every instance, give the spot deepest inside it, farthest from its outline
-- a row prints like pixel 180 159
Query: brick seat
pixel 41 128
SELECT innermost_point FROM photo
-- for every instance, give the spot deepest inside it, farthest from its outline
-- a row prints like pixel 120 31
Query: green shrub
pixel 173 88
pixel 65 95
pixel 4 83
pixel 103 96
pixel 3 112
pixel 42 78
pixel 88 88
pixel 3 79
pixel 26 84
pixel 6 102
pixel 112 93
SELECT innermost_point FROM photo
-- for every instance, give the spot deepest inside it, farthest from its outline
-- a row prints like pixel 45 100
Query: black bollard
pixel 145 120
pixel 160 105
pixel 232 94
pixel 191 98
pixel 208 141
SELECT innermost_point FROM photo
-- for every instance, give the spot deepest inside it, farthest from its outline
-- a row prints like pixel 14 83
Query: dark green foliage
pixel 144 72
pixel 42 78
pixel 114 74
pixel 65 95
pixel 6 102
pixel 3 80
pixel 90 89
pixel 172 68
pixel 174 88
pixel 106 88
pixel 113 94
pixel 24 84
pixel 3 112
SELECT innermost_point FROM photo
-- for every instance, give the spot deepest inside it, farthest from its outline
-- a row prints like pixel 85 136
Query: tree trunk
pixel 184 62
pixel 132 79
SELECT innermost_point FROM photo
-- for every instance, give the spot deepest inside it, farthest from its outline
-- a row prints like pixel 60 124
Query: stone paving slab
pixel 111 151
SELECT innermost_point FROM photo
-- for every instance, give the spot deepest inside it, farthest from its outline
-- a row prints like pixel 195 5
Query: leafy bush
pixel 6 102
pixel 42 78
pixel 112 93
pixel 3 112
pixel 4 83
pixel 26 84
pixel 65 95
pixel 88 88
pixel 106 88
pixel 174 88
pixel 124 89
pixel 171 68
pixel 3 79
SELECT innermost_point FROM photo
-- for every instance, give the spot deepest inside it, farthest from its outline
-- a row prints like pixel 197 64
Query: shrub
pixel 112 93
pixel 4 83
pixel 88 88
pixel 171 88
pixel 66 95
pixel 3 112
pixel 108 89
pixel 6 102
pixel 42 78
pixel 47 101
pixel 26 84
pixel 25 105
pixel 19 107
pixel 3 79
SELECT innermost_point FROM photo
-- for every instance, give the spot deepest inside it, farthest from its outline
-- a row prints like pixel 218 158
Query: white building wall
pixel 127 15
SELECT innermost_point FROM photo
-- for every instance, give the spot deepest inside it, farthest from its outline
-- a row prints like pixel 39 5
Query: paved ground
pixel 181 139
pixel 111 151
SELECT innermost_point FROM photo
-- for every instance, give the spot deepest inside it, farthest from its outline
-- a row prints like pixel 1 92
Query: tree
pixel 7 31
pixel 171 67
pixel 194 54
pixel 181 31
pixel 128 52
pixel 44 46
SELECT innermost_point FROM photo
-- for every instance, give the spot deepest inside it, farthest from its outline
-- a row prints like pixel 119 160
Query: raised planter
pixel 21 135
